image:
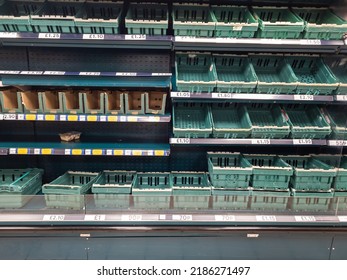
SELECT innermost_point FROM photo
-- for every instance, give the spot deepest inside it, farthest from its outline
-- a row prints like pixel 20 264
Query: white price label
pixel 9 72
pixel 49 35
pixel 128 152
pixel 123 118
pixel 182 217
pixel 341 97
pixel 237 27
pixel 54 218
pixel 261 142
pixel 312 42
pixel 9 35
pixel 271 41
pixel 181 94
pixel 266 218
pixel 150 153
pixel 135 37
pixel 94 217
pixel 31 72
pixel 180 141
pixel 88 152
pixel 55 73
pixel 342 218
pixel 93 36
pixel 339 143
pixel 219 95
pixel 161 74
pixel 302 141
pixel 185 39
pixel 304 97
pixel 103 118
pixel 1 117
pixel 67 151
pixel 126 74
pixel 109 152
pixel 134 217
pixel 89 74
pixel 37 151
pixel 82 118
pixel 224 218
pixel 40 117
pixel 20 117
pixel 62 118
pixel 305 218
pixel 13 151
pixel 9 116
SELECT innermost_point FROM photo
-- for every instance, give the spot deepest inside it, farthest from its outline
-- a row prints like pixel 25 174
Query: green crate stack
pixel 234 22
pixel 193 20
pixel 101 17
pixel 228 172
pixel 114 102
pixel 32 102
pixel 307 122
pixel 195 72
pixel 312 201
pixel 268 121
pixel 152 191
pixel 235 73
pixel 190 190
pixel 314 76
pixel 17 186
pixel 274 74
pixel 233 200
pixel 337 118
pixel 269 173
pixel 339 69
pixel 94 101
pixel 147 18
pixel 191 120
pixel 270 201
pixel 52 101
pixel 11 101
pixel 73 102
pixel 321 23
pixel 230 121
pixel 278 23
pixel 310 174
pixel 56 16
pixel 155 102
pixel 68 190
pixel 15 15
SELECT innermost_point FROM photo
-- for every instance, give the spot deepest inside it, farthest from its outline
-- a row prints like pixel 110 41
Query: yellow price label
pixel 50 117
pixel 97 152
pixel 112 118
pixel 137 153
pixel 22 151
pixel 159 153
pixel 92 118
pixel 46 151
pixel 76 152
pixel 118 152
pixel 72 118
pixel 30 117
pixel 132 119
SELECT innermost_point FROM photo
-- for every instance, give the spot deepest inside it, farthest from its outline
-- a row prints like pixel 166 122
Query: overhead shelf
pixel 83 149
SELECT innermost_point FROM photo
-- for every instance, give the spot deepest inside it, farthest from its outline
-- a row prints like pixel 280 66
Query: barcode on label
pixel 134 217
pixel 56 218
pixel 182 217
pixel 305 218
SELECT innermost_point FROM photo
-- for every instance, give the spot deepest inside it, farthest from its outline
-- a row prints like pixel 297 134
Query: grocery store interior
pixel 173 130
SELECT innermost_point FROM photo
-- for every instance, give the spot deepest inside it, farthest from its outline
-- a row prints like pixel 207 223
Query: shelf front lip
pixel 177 95
pixel 248 141
pixel 84 117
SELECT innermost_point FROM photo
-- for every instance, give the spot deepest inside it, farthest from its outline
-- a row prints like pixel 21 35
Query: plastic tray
pixel 312 201
pixel 193 20
pixel 114 102
pixel 32 101
pixel 228 171
pixel 269 173
pixel 114 182
pixel 230 121
pixel 234 22
pixel 112 201
pixel 231 200
pixel 314 76
pixel 235 73
pixel 11 101
pixel 155 102
pixel 191 120
pixel 278 23
pixel 52 101
pixel 274 74
pixel 99 17
pixel 73 102
pixel 268 122
pixel 134 102
pixel 195 72
pixel 270 201
pixel 339 68
pixel 338 122
pixel 307 122
pixel 94 101
pixel 310 174
pixel 321 23
pixel 147 18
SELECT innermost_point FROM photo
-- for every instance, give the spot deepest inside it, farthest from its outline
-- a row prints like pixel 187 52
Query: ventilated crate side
pixel 94 101
pixel 155 102
pixel 337 119
pixel 114 182
pixel 112 201
pixel 32 102
pixel 339 202
pixel 52 102
pixel 341 176
pixel 114 102
pixel 63 201
pixel 312 201
pixel 270 201
pixel 339 68
pixel 230 199
pixel 11 101
pixel 72 102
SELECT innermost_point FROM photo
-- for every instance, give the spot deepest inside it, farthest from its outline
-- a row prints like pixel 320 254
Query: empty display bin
pixel 338 66
pixel 337 118
pixel 274 74
pixel 195 72
pixel 312 201
pixel 321 23
pixel 17 186
pixel 190 190
pixel 147 18
pixel 270 201
pixel 191 120
pixel 152 191
pixel 228 171
pixel 94 101
pixel 307 122
pixel 310 174
pixel 99 17
pixel 192 20
pixel 235 74
pixel 232 200
pixel 52 101
pixel 278 23
pixel 73 102
pixel 314 76
pixel 114 102
pixel 268 121
pixel 269 173
pixel 155 102
pixel 230 121
pixel 234 22
pixel 11 101
pixel 32 101
pixel 134 102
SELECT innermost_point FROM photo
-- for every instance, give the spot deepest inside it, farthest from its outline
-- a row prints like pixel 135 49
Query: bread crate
pixel 270 201
pixel 338 66
pixel 312 201
pixel 231 200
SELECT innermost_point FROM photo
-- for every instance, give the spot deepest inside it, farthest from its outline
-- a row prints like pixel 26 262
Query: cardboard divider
pixel 73 102
pixel 135 102
pixel 11 101
pixel 32 102
pixel 155 102
pixel 114 102
pixel 52 101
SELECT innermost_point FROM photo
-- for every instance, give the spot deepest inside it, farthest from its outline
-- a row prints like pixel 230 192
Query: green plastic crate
pixel 147 18
pixel 152 191
pixel 321 23
pixel 195 72
pixel 268 121
pixel 112 201
pixel 269 173
pixel 94 101
pixel 234 22
pixel 114 102
pixel 230 200
pixel 312 201
pixel 337 118
pixel 274 74
pixel 56 16
pixel 230 121
pixel 73 102
pixel 99 17
pixel 193 20
pixel 314 76
pixel 191 120
pixel 155 102
pixel 278 23
pixel 339 202
pixel 11 101
pixel 307 122
pixel 32 101
pixel 339 68
pixel 190 190
pixel 235 74
pixel 52 101
pixel 134 102
pixel 114 182
pixel 17 186
pixel 310 174
pixel 270 201
pixel 228 171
